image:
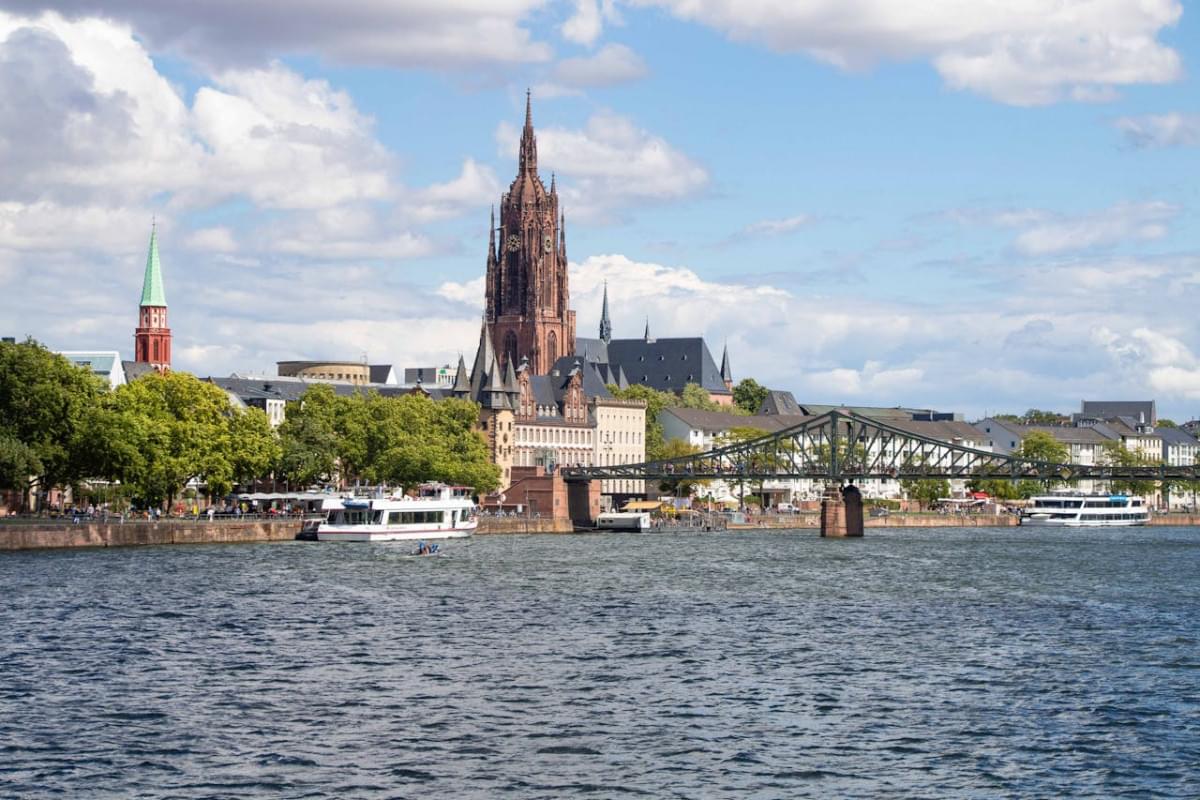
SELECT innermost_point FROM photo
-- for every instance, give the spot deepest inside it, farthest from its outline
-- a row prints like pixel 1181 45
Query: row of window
pixel 554 436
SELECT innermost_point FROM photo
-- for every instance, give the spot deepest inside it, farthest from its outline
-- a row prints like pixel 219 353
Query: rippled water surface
pixel 914 663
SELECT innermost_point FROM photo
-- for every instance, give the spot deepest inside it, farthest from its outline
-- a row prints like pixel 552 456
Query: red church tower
pixel 528 304
pixel 152 339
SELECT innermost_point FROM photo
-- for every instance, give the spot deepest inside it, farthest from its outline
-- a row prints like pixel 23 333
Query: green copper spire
pixel 152 284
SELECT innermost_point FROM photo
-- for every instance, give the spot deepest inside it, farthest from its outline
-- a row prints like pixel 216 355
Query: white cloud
pixel 611 65
pixel 474 188
pixel 610 164
pixel 430 33
pixel 1024 52
pixel 1161 130
pixel 585 25
pixel 1043 232
pixel 774 227
pixel 219 239
pixel 1120 223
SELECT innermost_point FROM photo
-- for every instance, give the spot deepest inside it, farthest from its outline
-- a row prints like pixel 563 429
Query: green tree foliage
pixel 683 486
pixel 655 402
pixel 169 429
pixel 44 400
pixel 1167 423
pixel 309 438
pixel 748 395
pixel 1114 454
pixel 694 396
pixel 926 490
pixel 18 462
pixel 397 440
pixel 1035 416
pixel 1041 446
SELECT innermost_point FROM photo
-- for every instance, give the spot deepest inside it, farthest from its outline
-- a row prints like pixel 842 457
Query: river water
pixel 913 663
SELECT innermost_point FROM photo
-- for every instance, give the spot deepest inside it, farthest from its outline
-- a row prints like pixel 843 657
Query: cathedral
pixel 529 317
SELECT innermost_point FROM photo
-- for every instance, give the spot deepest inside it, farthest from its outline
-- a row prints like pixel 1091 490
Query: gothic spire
pixel 646 335
pixel 492 237
pixel 528 140
pixel 605 323
pixel 152 284
pixel 726 372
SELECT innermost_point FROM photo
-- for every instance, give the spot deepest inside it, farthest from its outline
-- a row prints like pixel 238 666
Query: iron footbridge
pixel 842 446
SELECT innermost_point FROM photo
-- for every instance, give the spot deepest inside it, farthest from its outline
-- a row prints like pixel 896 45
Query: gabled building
pixel 105 364
pixel 667 365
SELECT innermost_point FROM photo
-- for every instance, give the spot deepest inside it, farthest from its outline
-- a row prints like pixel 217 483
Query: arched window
pixel 552 347
pixel 156 349
pixel 510 349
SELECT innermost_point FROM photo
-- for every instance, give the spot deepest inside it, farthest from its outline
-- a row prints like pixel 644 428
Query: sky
pixel 978 207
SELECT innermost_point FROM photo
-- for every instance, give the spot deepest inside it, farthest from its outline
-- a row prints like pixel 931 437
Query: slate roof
pixel 292 389
pixel 1177 436
pixel 1143 410
pixel 702 420
pixel 381 373
pixel 779 402
pixel 666 364
pixel 136 369
pixel 595 376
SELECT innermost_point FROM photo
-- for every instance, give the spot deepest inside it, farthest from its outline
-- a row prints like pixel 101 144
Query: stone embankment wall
pixel 488 525
pixel 97 534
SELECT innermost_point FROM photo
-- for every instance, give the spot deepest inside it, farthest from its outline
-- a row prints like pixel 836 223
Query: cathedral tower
pixel 152 339
pixel 528 304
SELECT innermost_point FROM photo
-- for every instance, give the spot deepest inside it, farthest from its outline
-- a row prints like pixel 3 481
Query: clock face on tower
pixel 514 243
pixel 547 244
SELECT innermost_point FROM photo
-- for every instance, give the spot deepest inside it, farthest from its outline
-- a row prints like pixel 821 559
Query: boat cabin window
pixel 416 517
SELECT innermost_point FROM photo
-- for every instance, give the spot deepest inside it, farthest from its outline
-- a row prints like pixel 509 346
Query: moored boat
pixel 1075 510
pixel 437 512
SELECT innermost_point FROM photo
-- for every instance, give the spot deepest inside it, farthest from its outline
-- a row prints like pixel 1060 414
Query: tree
pixel 749 395
pixel 18 462
pixel 694 396
pixel 253 445
pixel 655 402
pixel 1041 446
pixel 44 399
pixel 170 429
pixel 678 448
pixel 1167 423
pixel 926 490
pixel 309 440
pixel 1115 454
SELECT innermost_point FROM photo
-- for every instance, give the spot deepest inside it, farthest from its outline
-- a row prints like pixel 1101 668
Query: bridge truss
pixel 841 445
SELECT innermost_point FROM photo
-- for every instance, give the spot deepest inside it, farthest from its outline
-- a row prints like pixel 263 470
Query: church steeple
pixel 726 372
pixel 605 323
pixel 152 337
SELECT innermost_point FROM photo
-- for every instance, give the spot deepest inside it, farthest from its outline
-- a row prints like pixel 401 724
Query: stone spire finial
pixel 605 322
pixel 528 140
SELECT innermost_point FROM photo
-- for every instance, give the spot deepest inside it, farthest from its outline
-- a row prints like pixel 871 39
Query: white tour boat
pixel 1073 510
pixel 437 512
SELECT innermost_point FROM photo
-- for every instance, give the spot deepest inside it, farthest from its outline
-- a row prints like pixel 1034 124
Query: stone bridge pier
pixel 841 511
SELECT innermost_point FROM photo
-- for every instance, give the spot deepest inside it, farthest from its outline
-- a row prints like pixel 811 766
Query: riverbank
pixel 34 536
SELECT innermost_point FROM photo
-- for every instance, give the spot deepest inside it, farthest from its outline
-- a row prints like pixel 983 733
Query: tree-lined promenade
pixel 147 441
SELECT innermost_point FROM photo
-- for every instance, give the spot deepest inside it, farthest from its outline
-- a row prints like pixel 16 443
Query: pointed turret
pixel 646 335
pixel 605 323
pixel 462 382
pixel 510 379
pixel 152 283
pixel 484 357
pixel 726 372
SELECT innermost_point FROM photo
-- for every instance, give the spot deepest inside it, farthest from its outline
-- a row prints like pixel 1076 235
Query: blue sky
pixel 975 206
